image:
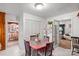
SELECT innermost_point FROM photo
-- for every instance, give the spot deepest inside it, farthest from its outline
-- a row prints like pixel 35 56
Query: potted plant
pixel 50 22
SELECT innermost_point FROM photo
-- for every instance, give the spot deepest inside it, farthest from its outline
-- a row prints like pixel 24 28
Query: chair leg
pixel 72 50
pixel 25 54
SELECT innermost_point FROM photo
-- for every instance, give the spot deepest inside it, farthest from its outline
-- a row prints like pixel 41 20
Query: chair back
pixel 46 38
pixel 27 48
pixel 75 44
pixel 75 40
pixel 49 48
pixel 33 37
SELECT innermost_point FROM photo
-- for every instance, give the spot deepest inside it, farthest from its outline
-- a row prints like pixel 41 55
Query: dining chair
pixel 33 37
pixel 41 51
pixel 27 48
pixel 75 44
pixel 46 38
pixel 49 48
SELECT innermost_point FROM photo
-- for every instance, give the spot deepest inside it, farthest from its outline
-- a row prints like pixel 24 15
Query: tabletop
pixel 38 44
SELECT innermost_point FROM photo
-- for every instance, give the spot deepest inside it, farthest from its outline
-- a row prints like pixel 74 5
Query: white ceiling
pixel 51 9
pixel 11 8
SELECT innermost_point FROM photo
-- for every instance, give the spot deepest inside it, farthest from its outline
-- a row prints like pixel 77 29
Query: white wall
pixel 10 17
pixel 21 41
pixel 64 16
pixel 32 25
pixel 75 27
pixel 43 25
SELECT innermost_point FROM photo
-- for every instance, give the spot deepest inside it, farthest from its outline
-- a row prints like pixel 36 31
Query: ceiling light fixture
pixel 39 5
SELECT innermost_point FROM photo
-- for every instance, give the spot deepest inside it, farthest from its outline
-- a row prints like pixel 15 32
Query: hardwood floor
pixel 65 43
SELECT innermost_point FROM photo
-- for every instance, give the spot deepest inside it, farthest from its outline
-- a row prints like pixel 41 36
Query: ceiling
pixel 50 10
pixel 10 8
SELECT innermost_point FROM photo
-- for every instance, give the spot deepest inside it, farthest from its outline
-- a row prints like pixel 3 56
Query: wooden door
pixel 2 30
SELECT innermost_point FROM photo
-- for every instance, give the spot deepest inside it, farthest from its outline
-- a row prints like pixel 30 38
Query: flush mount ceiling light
pixel 39 6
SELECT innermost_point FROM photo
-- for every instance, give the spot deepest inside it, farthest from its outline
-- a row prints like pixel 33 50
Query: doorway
pixel 62 26
pixel 12 33
pixel 65 33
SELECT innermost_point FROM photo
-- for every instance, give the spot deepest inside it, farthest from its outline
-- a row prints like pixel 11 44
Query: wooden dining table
pixel 36 45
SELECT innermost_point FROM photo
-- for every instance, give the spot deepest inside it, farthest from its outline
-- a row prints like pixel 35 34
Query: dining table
pixel 36 45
